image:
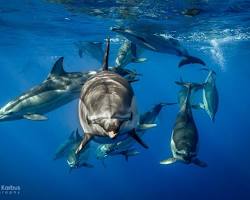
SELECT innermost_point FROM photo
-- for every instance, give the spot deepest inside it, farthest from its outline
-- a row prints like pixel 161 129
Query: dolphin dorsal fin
pixel 57 69
pixel 105 64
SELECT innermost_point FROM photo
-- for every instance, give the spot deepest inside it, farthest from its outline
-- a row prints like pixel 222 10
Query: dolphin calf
pixel 125 147
pixel 210 95
pixel 58 89
pixel 68 149
pixel 184 139
pixel 158 43
pixel 107 108
pixel 92 49
pixel 127 53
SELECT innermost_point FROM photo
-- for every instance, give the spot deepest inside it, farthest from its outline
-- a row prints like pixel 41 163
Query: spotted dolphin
pixel 107 108
pixel 159 43
pixel 58 89
pixel 184 139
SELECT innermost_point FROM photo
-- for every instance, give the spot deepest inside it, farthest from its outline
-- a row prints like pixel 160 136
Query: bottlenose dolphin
pixel 68 149
pixel 107 107
pixel 92 49
pixel 127 53
pixel 158 43
pixel 210 95
pixel 58 89
pixel 184 137
pixel 125 147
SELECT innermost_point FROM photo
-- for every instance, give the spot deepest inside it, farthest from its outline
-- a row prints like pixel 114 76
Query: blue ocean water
pixel 34 34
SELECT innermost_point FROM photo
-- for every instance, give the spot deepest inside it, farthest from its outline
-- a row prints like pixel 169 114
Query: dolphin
pixel 127 53
pixel 68 149
pixel 158 43
pixel 184 139
pixel 58 89
pixel 125 147
pixel 107 108
pixel 210 95
pixel 92 49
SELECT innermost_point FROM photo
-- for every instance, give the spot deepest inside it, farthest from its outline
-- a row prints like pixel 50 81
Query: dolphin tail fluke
pixel 199 163
pixel 168 161
pixel 191 60
pixel 105 64
pixel 83 143
pixel 138 139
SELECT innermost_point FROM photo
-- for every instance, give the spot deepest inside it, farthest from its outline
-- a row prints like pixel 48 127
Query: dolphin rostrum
pixel 58 89
pixel 107 107
pixel 184 139
pixel 158 43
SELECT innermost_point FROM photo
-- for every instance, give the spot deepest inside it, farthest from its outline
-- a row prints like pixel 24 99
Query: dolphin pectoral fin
pixel 146 126
pixel 137 138
pixel 35 117
pixel 139 60
pixel 199 163
pixel 191 60
pixel 168 161
pixel 84 142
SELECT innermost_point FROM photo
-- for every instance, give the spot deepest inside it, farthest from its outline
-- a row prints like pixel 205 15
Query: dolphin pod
pixel 107 108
